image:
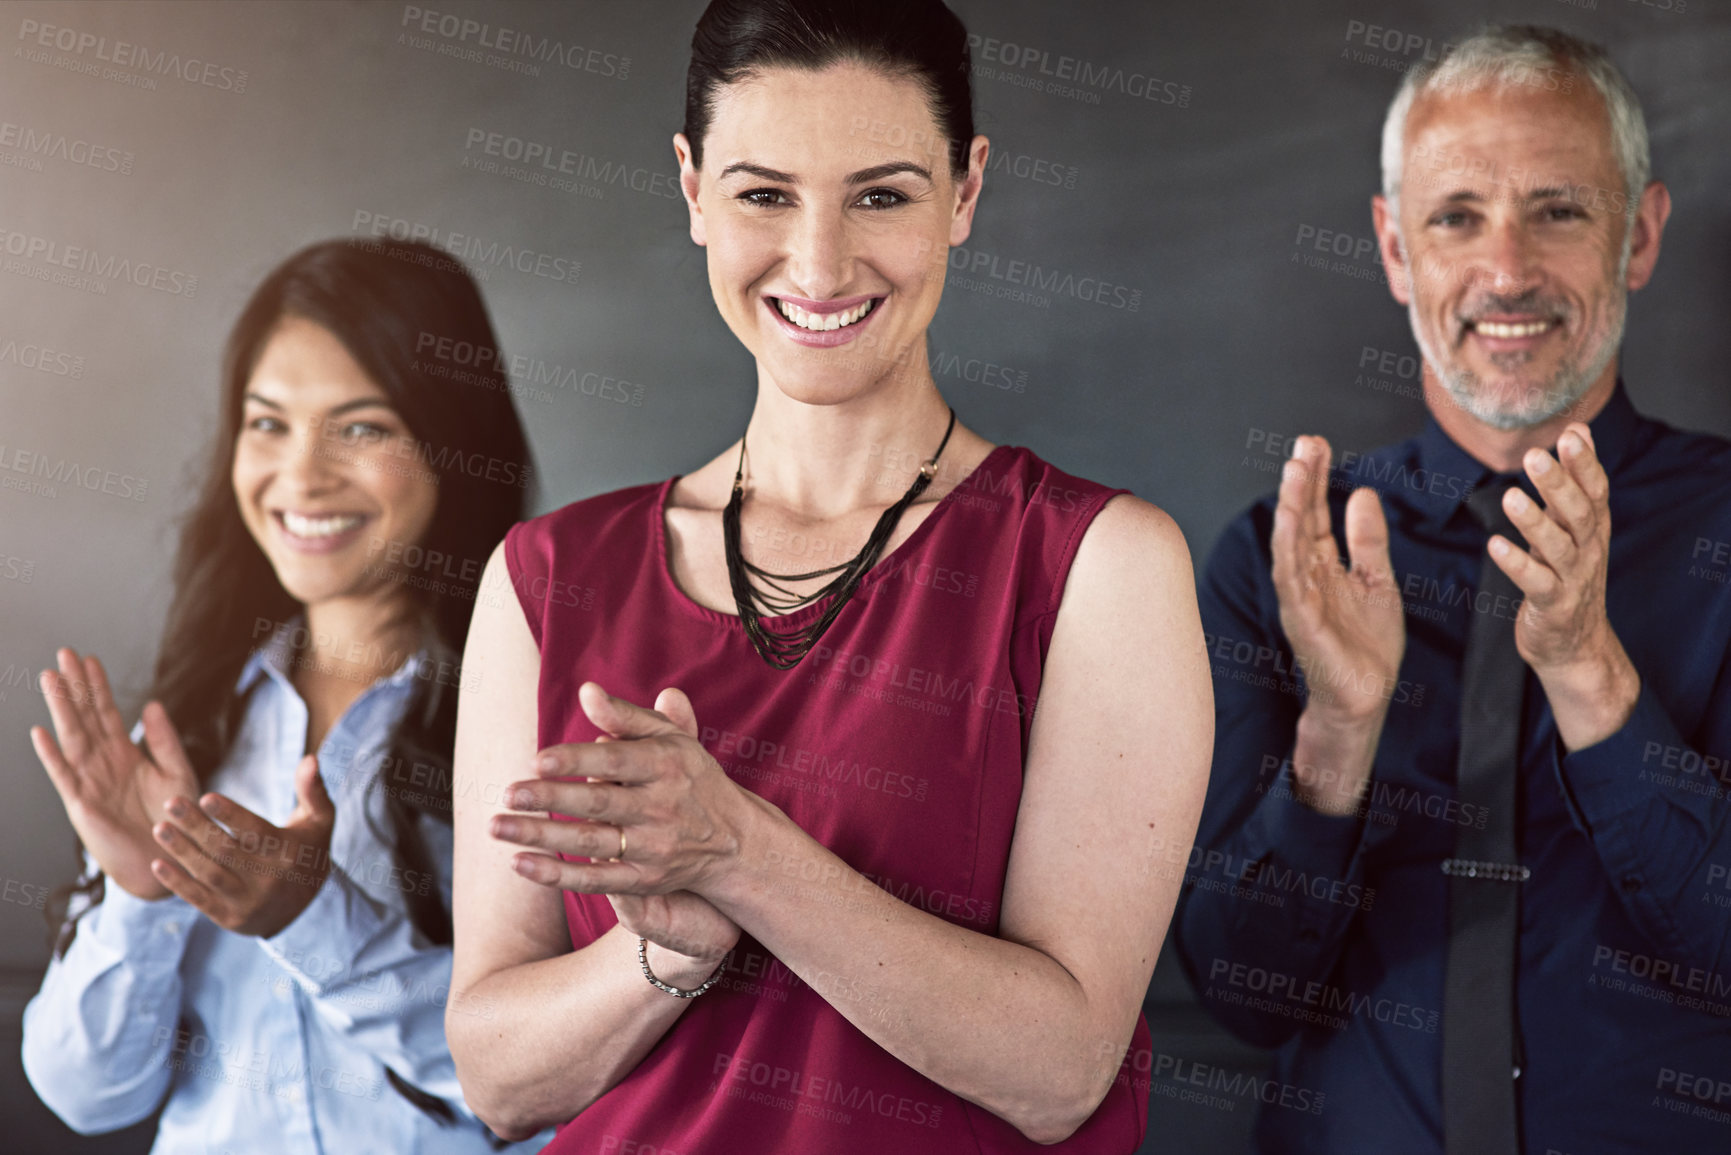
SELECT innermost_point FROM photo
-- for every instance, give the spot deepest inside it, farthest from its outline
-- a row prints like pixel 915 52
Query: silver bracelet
pixel 643 961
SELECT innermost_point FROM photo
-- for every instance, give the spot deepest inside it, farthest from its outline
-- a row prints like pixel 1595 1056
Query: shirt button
pixel 1631 885
pixel 171 927
pixel 1308 935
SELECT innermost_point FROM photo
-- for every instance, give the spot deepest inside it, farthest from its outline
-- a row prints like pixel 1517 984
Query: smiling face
pixel 325 470
pixel 828 208
pixel 1512 228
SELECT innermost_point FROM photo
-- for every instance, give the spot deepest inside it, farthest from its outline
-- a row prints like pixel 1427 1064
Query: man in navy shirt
pixel 1516 214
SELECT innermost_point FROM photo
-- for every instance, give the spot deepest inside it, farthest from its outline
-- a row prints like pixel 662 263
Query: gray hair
pixel 1506 55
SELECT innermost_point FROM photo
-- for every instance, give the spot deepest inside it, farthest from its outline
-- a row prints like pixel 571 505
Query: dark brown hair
pixel 922 39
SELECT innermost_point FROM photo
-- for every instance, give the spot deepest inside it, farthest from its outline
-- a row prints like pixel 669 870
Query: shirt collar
pixel 1613 433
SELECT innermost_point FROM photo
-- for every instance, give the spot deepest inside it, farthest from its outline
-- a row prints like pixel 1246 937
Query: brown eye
pixel 762 197
pixel 883 198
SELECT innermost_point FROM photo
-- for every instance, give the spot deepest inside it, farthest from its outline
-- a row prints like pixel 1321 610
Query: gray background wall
pixel 1201 204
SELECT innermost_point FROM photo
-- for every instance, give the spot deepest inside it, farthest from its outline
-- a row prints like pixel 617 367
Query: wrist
pixel 1331 759
pixel 1591 698
pixel 682 971
pixel 757 829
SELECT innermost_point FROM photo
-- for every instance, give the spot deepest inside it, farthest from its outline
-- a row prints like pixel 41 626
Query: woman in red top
pixel 741 872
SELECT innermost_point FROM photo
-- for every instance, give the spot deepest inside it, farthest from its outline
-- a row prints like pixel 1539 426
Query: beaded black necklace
pixel 784 650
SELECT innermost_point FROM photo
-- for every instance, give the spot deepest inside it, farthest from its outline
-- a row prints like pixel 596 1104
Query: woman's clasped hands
pixel 652 791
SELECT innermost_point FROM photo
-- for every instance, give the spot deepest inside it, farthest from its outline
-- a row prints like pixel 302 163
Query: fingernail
pixel 524 866
pixel 1499 547
pixel 503 827
pixel 1540 462
pixel 546 762
pixel 177 808
pixel 1572 442
pixel 1519 500
pixel 521 799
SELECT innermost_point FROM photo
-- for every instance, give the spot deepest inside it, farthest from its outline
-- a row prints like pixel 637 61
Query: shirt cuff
pixel 313 947
pixel 1314 842
pixel 1623 771
pixel 150 933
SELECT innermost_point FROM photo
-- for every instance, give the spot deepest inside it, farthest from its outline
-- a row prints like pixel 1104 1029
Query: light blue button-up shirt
pixel 290 1036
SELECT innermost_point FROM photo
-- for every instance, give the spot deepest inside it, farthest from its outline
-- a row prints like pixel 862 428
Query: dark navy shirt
pixel 1325 936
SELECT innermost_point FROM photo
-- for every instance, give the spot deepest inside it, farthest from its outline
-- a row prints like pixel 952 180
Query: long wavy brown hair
pixel 395 306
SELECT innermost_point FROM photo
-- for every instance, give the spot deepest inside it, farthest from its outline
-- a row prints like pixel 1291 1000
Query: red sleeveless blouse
pixel 898 742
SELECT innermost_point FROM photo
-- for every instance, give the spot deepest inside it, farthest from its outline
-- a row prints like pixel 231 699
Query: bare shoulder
pixel 1132 541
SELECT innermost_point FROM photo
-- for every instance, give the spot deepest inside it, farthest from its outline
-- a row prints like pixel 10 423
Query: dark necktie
pixel 1481 1048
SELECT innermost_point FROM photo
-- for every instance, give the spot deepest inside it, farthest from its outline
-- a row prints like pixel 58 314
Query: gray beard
pixel 1539 403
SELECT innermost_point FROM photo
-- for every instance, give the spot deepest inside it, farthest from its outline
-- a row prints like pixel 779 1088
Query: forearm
pixel 998 1023
pixel 1332 757
pixel 373 980
pixel 99 1035
pixel 1229 925
pixel 1654 805
pixel 535 1044
pixel 1592 699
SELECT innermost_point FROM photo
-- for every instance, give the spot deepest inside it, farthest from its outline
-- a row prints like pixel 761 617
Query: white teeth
pixel 320 526
pixel 1498 329
pixel 823 322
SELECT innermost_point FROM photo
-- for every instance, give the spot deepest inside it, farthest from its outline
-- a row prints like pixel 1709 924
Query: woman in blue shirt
pixel 260 941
